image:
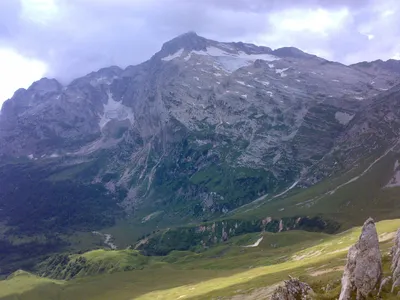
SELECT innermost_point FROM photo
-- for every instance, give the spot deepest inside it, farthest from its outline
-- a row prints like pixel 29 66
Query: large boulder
pixel 363 270
pixel 293 289
pixel 396 261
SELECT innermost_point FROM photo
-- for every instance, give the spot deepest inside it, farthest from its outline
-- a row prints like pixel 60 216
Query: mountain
pixel 379 67
pixel 373 132
pixel 194 133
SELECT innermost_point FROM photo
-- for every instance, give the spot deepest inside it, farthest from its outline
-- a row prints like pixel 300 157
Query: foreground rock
pixel 396 261
pixel 293 289
pixel 363 270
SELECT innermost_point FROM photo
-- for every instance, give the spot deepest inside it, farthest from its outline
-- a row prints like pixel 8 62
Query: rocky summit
pixel 198 132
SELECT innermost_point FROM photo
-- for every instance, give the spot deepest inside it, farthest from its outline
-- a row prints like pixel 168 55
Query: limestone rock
pixel 385 284
pixel 293 289
pixel 363 270
pixel 190 103
pixel 396 261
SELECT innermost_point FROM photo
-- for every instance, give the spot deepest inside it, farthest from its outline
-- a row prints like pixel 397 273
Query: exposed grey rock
pixel 385 284
pixel 389 66
pixel 231 104
pixel 372 132
pixel 363 270
pixel 224 235
pixel 395 267
pixel 293 289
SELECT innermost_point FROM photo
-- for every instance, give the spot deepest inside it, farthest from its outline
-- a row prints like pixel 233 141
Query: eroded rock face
pixel 385 284
pixel 292 290
pixel 363 270
pixel 396 261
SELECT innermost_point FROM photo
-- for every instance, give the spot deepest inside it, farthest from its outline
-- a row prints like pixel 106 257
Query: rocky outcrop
pixel 293 289
pixel 385 284
pixel 363 270
pixel 210 233
pixel 396 261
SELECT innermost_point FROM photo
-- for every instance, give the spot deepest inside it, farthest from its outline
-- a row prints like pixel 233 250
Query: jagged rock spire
pixel 363 270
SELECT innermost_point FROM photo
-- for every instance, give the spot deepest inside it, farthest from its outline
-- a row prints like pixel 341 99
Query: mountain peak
pixel 187 41
pixel 390 65
pixel 291 52
pixel 190 33
pixel 45 85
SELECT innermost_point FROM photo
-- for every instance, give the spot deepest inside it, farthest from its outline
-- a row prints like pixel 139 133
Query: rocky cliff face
pixel 379 68
pixel 373 132
pixel 201 128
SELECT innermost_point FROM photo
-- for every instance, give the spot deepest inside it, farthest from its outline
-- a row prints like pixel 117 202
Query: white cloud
pixel 40 11
pixel 17 72
pixel 75 37
pixel 318 21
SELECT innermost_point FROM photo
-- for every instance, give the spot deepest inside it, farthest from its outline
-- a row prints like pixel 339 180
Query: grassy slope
pixel 23 282
pixel 226 270
pixel 350 205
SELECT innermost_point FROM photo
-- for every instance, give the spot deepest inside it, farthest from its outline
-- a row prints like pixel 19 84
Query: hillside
pixel 230 271
pixel 199 145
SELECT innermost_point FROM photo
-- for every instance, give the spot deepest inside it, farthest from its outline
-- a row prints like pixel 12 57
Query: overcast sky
pixel 69 38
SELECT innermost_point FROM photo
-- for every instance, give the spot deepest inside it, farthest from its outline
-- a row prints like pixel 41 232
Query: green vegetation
pixel 91 263
pixel 196 168
pixel 20 283
pixel 33 205
pixel 49 210
pixel 349 205
pixel 196 237
pixel 41 217
pixel 225 270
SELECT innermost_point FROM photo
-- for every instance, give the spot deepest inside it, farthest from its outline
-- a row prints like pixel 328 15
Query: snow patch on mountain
pixel 255 244
pixel 281 72
pixel 265 83
pixel 173 56
pixel 243 83
pixel 343 118
pixel 115 110
pixel 232 61
pixel 102 80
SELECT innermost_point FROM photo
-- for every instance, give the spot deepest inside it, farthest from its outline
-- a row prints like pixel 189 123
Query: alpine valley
pixel 183 159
